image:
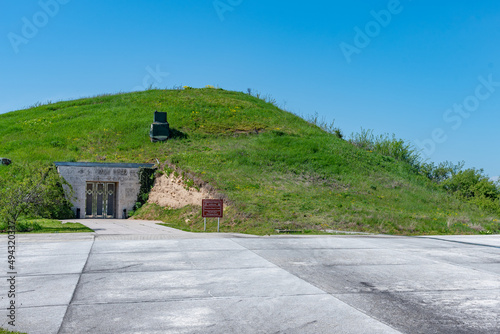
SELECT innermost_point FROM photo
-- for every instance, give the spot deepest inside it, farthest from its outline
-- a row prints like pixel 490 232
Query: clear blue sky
pixel 426 71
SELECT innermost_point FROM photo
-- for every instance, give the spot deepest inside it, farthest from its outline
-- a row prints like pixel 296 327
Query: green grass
pixel 276 170
pixel 46 226
pixel 4 331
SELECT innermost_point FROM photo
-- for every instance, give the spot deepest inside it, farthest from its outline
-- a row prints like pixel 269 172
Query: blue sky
pixel 426 71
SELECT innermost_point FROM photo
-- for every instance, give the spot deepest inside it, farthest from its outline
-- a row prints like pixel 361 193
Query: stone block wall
pixel 125 176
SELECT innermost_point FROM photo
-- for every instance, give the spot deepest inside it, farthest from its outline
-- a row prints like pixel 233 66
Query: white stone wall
pixel 127 180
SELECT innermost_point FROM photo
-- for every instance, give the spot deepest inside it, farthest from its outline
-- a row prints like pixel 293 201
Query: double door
pixel 100 200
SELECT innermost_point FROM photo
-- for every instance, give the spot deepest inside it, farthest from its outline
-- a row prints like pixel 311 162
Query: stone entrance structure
pixel 102 190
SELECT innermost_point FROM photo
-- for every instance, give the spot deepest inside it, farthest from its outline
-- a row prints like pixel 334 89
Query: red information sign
pixel 212 208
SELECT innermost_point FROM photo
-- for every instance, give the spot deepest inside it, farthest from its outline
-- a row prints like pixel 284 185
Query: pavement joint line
pixel 187 299
pixel 221 250
pixel 414 292
pixel 346 248
pixel 40 306
pixel 76 287
pixel 171 251
pixel 350 236
pixel 169 271
pixel 181 270
pixel 247 268
pixel 48 256
pixel 461 242
pixel 44 275
pixel 168 236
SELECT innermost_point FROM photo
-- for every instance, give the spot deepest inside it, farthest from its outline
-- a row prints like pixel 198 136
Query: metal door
pixel 100 200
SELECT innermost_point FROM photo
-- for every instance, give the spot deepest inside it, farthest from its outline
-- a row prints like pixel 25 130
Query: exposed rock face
pixel 170 191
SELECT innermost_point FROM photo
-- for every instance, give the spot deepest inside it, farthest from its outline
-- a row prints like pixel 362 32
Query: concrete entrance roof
pixel 103 164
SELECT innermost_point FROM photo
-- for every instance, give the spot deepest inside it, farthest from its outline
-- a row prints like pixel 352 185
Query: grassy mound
pixel 276 170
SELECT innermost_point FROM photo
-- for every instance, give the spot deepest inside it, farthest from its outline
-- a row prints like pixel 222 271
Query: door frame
pixel 101 195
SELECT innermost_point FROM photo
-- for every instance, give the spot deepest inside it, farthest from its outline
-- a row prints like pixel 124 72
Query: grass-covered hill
pixel 276 170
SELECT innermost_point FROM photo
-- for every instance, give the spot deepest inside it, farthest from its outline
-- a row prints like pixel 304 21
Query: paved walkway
pixel 209 283
pixel 132 229
pixel 128 227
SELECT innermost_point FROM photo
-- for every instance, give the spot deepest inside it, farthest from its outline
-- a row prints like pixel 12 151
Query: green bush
pixel 33 190
pixel 387 145
pixel 472 185
pixel 442 171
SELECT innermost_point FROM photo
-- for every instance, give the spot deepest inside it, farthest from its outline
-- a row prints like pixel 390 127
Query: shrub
pixel 472 185
pixel 442 171
pixel 387 145
pixel 34 190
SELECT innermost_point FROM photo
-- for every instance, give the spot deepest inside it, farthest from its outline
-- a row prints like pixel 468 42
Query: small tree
pixel 34 190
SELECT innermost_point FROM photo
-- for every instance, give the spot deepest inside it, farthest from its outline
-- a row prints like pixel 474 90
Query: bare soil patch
pixel 170 191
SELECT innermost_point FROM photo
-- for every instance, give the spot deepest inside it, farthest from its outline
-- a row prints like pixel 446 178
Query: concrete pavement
pixel 129 227
pixel 177 282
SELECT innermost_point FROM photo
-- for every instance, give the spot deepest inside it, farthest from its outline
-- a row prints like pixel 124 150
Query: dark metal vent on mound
pixel 160 129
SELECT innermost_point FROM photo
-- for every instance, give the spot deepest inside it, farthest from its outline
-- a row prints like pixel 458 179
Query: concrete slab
pixel 290 314
pixel 178 260
pixel 40 319
pixel 412 243
pixel 50 265
pixel 49 258
pixel 491 268
pixel 170 245
pixel 337 257
pixel 27 238
pixel 467 256
pixel 451 312
pixel 47 290
pixel 295 242
pixel 171 285
pixel 49 248
pixel 48 269
pixel 399 278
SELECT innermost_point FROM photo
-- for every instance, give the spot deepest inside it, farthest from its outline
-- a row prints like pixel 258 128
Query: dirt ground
pixel 170 191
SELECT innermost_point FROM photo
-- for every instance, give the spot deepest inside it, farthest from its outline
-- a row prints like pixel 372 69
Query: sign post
pixel 212 208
